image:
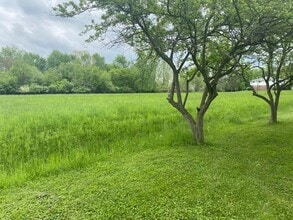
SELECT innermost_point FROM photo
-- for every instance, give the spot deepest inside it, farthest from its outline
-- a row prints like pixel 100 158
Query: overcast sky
pixel 31 26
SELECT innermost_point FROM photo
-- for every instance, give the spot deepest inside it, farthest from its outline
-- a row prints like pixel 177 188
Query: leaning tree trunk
pixel 187 116
pixel 196 126
pixel 273 102
pixel 192 125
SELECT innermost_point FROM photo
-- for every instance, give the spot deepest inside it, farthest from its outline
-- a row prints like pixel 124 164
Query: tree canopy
pixel 80 72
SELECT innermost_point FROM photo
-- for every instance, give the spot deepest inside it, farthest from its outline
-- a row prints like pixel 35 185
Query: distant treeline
pixel 23 72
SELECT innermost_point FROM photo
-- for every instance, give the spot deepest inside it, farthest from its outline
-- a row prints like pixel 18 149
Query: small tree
pixel 274 57
pixel 273 63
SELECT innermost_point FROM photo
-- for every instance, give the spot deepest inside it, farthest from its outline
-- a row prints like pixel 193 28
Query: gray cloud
pixel 31 26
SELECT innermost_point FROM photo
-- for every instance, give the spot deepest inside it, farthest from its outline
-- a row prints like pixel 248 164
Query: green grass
pixel 132 157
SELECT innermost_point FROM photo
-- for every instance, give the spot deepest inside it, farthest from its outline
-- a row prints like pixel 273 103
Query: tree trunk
pixel 274 103
pixel 193 127
pixel 208 96
pixel 274 113
pixel 196 127
pixel 199 128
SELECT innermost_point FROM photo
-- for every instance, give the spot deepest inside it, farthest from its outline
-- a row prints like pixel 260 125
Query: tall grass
pixel 40 135
pixel 43 134
pixel 132 157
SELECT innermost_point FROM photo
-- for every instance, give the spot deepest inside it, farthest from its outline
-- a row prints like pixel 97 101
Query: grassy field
pixel 132 157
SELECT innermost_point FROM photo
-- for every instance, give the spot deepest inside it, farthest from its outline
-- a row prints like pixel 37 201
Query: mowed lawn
pixel 131 156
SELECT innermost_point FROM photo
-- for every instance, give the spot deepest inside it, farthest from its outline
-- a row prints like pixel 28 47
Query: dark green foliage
pixel 231 83
pixel 26 74
pixel 8 83
pixel 80 72
pixel 123 80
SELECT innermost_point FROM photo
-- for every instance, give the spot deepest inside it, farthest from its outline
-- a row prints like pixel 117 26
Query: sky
pixel 31 25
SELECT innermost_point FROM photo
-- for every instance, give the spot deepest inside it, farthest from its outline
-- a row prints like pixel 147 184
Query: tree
pixel 122 76
pixel 99 61
pixel 56 58
pixel 8 84
pixel 231 83
pixel 77 77
pixel 120 61
pixel 123 79
pixel 35 60
pixel 21 70
pixel 97 80
pixel 273 63
pixel 274 57
pixel 144 69
pixel 8 56
pixel 209 35
pixel 84 57
pixel 73 72
pixel 51 76
pixel 163 76
pixel 26 74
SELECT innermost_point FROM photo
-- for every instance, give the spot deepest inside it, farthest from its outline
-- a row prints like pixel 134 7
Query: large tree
pixel 208 35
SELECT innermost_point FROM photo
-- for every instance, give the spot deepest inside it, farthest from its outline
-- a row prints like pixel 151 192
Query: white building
pixel 260 84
